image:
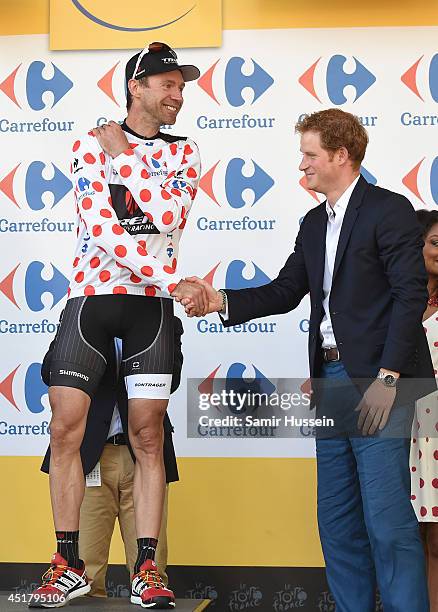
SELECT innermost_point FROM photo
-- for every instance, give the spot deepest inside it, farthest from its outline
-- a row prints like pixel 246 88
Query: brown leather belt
pixel 331 354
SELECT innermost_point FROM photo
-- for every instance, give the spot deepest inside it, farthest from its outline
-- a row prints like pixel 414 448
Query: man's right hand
pixel 189 292
pixel 214 298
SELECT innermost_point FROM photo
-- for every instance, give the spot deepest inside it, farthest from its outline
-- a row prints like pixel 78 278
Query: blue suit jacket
pixel 379 288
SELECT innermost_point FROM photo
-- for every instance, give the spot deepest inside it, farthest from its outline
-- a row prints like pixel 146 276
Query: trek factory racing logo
pixel 131 217
pixel 23 389
pixel 236 83
pixel 421 78
pixel 38 87
pixel 237 274
pixel 422 180
pixel 319 198
pixel 327 79
pixel 26 285
pixel 240 184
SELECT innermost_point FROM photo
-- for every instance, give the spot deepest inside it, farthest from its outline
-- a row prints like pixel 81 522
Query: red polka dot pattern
pixel 147 271
pixel 125 171
pixel 145 195
pixel 159 202
pixel 104 276
pixel 424 451
pixel 167 218
pixel 89 158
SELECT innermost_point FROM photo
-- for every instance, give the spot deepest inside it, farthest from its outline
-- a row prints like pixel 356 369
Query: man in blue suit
pixel 359 254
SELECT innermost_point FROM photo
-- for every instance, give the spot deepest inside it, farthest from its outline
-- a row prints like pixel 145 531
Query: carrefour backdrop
pixel 242 113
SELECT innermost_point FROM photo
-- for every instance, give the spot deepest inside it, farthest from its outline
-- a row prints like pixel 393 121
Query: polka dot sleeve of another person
pixel 165 202
pixel 94 208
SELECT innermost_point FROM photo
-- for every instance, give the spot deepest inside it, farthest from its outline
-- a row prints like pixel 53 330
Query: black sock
pixel 67 545
pixel 146 550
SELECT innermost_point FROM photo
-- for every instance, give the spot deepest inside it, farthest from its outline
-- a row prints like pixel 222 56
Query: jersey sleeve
pixel 93 200
pixel 164 183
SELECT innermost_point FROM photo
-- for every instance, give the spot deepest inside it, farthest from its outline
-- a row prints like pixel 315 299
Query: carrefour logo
pixel 422 180
pixel 38 185
pixel 239 177
pixel 235 83
pixel 38 87
pixel 421 78
pixel 327 78
pixel 26 285
pixel 228 85
pixel 370 178
pixel 29 86
pixel 237 274
pixel 249 378
pixel 239 184
pixel 23 388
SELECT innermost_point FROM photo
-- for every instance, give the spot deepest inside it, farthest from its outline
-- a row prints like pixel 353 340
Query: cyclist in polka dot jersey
pixel 134 187
pixel 131 211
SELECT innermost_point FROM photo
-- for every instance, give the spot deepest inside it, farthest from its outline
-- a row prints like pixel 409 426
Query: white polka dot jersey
pixel 131 211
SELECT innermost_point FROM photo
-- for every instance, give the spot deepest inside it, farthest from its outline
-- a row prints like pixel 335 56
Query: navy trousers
pixel 368 529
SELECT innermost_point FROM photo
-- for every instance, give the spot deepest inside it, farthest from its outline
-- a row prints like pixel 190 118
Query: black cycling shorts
pixel 85 342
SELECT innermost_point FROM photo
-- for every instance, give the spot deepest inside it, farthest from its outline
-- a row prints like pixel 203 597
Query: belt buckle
pixel 326 354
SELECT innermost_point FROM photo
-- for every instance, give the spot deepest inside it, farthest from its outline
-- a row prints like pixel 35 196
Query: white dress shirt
pixel 334 224
pixel 335 219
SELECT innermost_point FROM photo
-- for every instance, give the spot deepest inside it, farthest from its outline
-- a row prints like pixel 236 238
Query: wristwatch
pixel 387 379
pixel 223 310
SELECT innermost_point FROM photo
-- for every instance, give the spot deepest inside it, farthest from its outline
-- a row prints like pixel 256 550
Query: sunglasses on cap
pixel 154 47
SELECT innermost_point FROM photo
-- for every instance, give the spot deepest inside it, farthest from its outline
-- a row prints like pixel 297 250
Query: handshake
pixel 198 297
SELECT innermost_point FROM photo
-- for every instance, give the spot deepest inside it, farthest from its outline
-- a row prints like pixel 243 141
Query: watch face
pixel 389 380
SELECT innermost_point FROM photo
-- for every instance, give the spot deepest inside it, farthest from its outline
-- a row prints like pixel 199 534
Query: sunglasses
pixel 154 47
